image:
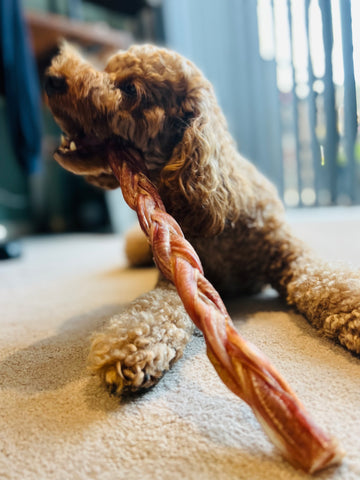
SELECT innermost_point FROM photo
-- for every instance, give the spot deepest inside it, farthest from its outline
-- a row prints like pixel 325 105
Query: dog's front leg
pixel 140 344
pixel 328 296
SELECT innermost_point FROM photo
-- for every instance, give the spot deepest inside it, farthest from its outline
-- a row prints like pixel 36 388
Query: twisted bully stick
pixel 240 365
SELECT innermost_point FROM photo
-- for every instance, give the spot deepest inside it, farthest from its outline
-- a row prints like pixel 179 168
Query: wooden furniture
pixel 47 29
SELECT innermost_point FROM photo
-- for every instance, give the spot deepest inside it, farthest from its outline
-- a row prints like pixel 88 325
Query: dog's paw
pixel 132 359
pixel 131 375
pixel 346 328
pixel 137 248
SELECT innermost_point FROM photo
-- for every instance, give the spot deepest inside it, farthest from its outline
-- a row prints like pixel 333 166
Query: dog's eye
pixel 128 88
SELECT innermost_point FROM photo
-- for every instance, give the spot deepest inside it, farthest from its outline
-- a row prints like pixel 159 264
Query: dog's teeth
pixel 72 146
pixel 63 140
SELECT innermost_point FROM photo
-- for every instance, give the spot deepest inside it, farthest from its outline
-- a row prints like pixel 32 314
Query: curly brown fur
pixel 154 100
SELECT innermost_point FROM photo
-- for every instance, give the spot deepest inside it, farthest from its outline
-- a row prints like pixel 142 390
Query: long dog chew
pixel 240 365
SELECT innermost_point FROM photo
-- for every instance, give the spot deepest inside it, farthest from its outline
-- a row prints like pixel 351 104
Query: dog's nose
pixel 55 85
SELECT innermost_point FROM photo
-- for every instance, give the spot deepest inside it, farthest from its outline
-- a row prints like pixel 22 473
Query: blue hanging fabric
pixel 20 86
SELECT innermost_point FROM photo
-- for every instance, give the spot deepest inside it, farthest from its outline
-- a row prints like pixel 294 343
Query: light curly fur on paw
pixel 330 298
pixel 141 343
pixel 137 249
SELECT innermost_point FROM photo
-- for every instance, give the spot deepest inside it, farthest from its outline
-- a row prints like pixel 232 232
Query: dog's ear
pixel 192 173
pixel 173 132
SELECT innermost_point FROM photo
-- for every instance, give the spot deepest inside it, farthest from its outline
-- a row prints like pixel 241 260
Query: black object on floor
pixel 10 249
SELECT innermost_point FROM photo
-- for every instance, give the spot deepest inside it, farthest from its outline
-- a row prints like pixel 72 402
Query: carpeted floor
pixel 56 422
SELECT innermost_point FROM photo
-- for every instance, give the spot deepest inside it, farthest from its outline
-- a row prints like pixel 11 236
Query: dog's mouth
pixel 81 145
pixel 87 155
pixel 68 146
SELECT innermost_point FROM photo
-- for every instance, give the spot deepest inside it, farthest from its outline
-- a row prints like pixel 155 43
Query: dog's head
pixel 145 97
pixel 155 101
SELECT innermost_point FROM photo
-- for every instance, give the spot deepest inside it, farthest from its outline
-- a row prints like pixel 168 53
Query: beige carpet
pixel 56 422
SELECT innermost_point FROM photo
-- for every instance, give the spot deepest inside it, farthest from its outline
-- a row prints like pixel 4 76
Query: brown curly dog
pixel 159 103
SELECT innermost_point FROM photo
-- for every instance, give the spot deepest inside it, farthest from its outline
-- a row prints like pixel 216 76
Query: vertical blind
pixel 287 75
